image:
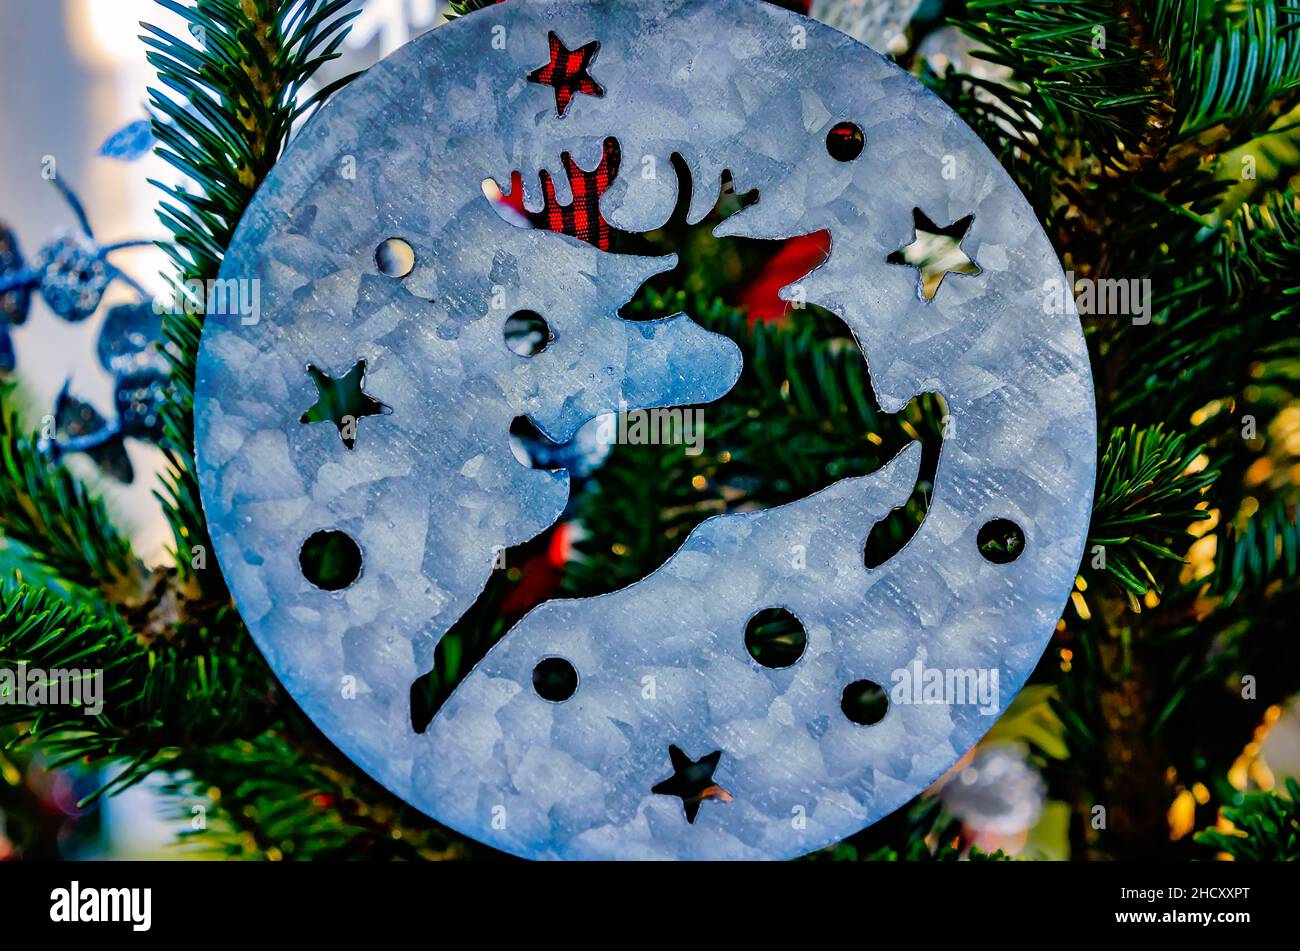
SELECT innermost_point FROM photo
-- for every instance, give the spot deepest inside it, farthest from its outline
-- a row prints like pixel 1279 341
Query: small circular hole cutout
pixel 555 680
pixel 1001 541
pixel 527 333
pixel 845 141
pixel 395 257
pixel 330 560
pixel 775 638
pixel 864 702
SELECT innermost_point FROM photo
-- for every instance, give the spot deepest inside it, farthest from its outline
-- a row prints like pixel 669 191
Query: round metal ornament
pixel 366 399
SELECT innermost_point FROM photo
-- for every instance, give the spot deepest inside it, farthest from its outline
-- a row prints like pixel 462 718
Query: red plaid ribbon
pixel 581 218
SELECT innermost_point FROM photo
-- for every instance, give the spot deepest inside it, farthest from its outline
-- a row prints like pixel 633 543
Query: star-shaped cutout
pixel 568 72
pixel 342 401
pixel 692 781
pixel 935 252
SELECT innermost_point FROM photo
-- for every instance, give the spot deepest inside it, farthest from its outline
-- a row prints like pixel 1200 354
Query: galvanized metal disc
pixel 431 488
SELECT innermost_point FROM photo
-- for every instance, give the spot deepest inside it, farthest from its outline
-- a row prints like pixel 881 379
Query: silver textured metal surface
pixel 432 487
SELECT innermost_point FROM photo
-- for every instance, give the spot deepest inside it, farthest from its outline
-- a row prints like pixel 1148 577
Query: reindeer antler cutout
pixel 581 218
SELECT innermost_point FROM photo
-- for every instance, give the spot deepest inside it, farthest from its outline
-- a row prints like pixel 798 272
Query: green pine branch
pixel 1224 304
pixel 57 520
pixel 1087 67
pixel 234 87
pixel 1244 67
pixel 1147 497
pixel 156 703
pixel 1263 552
pixel 1266 827
pixel 274 801
pixel 1259 256
pixel 1130 80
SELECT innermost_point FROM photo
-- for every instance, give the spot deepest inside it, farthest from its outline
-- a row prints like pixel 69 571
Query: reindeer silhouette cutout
pixel 582 218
